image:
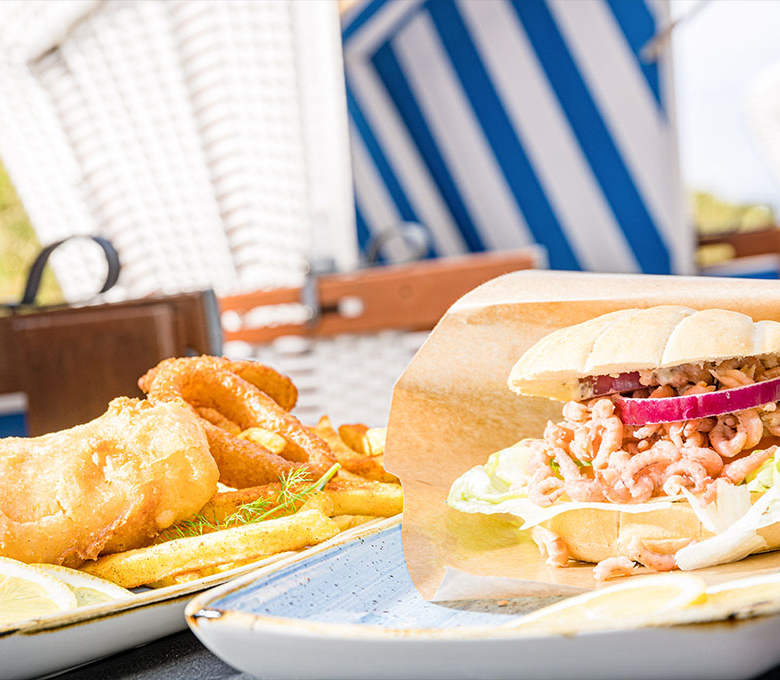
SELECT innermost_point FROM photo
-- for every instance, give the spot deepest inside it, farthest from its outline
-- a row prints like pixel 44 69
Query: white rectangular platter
pixel 61 641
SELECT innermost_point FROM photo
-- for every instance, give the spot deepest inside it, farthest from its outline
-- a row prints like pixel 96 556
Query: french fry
pixel 226 503
pixel 227 566
pixel 146 565
pixel 269 500
pixel 222 505
pixel 347 475
pixel 275 443
pixel 385 476
pixel 194 575
pixel 370 441
pixel 349 521
pixel 188 576
pixel 376 440
pixel 366 497
pixel 354 436
pixel 369 467
pixel 360 495
pixel 181 578
pixel 319 500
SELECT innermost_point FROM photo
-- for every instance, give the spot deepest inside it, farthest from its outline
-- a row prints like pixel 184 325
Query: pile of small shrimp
pixel 592 456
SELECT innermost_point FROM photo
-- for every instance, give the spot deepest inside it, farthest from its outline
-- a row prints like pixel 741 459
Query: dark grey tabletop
pixel 176 657
pixel 182 657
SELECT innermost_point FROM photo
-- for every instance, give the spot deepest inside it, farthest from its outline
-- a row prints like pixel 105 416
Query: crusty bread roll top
pixel 633 339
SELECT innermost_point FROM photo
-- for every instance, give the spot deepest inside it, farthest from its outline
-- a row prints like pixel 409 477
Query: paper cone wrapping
pixel 452 408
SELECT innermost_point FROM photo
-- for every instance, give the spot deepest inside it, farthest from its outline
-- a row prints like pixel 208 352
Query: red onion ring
pixel 599 385
pixel 692 406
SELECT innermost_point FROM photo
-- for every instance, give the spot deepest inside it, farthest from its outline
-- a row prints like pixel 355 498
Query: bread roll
pixel 592 535
pixel 621 342
pixel 633 339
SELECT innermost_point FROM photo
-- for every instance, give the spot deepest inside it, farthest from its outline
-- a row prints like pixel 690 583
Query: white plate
pixel 61 641
pixel 349 610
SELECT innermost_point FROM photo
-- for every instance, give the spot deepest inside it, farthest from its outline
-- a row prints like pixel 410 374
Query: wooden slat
pixel 409 297
pixel 747 243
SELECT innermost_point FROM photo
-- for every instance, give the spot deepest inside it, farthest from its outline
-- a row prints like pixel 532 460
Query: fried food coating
pixel 249 395
pixel 277 386
pixel 105 486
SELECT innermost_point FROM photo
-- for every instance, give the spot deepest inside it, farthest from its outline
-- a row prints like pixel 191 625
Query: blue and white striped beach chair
pixel 499 123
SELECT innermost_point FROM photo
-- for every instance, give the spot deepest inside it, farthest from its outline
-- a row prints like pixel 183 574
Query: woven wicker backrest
pixel 207 140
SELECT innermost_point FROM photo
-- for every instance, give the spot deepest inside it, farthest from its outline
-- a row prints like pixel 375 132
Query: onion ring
pixel 277 386
pixel 216 418
pixel 215 383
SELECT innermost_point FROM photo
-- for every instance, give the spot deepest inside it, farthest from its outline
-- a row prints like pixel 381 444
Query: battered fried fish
pixel 105 486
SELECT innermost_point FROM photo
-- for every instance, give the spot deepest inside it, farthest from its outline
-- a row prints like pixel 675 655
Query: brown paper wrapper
pixel 452 408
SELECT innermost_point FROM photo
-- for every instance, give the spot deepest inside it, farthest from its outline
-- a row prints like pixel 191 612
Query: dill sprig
pixel 197 525
pixel 286 502
pixel 294 489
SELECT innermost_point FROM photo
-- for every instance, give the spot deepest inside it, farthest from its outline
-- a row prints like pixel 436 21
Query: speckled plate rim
pixel 201 610
pixel 200 607
pixel 89 613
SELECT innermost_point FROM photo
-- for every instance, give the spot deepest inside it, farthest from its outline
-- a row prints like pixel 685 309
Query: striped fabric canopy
pixel 499 123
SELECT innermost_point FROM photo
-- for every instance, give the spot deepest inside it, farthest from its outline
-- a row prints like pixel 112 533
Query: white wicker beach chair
pixel 206 140
pixel 209 142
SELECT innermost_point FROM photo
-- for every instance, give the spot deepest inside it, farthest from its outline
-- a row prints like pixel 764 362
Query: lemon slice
pixel 746 593
pixel 27 592
pixel 635 602
pixel 88 589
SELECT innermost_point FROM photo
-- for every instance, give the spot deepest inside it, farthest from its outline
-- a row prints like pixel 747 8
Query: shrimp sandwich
pixel 666 451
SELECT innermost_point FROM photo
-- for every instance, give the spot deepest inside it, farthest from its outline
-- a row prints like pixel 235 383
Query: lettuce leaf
pixel 731 503
pixel 737 541
pixel 765 477
pixel 501 486
pixel 734 520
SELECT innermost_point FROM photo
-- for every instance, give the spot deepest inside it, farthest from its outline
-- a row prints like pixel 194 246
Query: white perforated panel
pixel 207 140
pixel 349 377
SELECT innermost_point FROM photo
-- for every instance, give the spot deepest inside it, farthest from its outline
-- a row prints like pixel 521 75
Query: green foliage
pixel 712 215
pixel 18 248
